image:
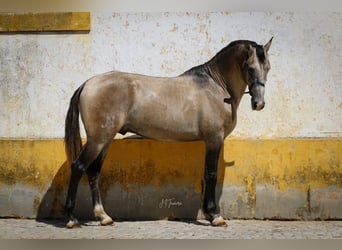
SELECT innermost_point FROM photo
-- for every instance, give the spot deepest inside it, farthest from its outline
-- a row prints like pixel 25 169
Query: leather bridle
pixel 253 79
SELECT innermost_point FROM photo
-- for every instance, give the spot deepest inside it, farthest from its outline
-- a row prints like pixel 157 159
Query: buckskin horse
pixel 200 104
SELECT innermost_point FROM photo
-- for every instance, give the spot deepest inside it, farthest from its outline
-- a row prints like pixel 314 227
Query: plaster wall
pixel 283 162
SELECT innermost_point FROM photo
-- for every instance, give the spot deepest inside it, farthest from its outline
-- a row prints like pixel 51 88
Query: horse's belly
pixel 175 123
pixel 167 135
pixel 160 128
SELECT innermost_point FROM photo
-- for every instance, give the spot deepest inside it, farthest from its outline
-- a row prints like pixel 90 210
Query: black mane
pixel 259 48
pixel 200 72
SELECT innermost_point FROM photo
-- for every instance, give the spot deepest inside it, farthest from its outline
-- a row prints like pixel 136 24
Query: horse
pixel 200 104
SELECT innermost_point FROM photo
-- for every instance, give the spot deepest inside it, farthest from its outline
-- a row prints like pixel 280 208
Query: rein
pixel 253 79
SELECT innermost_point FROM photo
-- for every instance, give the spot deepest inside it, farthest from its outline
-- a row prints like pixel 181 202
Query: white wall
pixel 38 73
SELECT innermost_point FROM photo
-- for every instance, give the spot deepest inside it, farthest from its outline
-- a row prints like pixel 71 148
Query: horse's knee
pixel 210 176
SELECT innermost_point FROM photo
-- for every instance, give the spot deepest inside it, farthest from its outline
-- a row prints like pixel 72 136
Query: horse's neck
pixel 227 73
pixel 236 89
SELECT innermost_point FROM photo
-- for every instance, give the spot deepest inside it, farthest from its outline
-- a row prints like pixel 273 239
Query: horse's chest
pixel 217 118
pixel 229 119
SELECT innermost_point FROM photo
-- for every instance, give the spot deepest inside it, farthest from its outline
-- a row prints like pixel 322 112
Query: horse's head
pixel 256 68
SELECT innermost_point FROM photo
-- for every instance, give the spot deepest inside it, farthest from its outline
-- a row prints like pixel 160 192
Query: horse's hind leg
pixel 89 153
pixel 93 173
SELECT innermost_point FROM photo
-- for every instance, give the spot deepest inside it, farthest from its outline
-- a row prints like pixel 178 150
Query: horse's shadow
pixel 51 207
pixel 133 199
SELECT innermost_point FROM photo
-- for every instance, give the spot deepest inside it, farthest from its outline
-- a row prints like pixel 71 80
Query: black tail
pixel 72 137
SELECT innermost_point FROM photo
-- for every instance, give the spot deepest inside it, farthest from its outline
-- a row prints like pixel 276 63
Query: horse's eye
pixel 251 70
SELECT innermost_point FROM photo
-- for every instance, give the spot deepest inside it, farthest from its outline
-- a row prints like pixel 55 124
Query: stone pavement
pixel 163 229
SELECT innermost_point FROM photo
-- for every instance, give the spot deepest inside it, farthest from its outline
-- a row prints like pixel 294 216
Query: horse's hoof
pixel 73 224
pixel 219 222
pixel 107 221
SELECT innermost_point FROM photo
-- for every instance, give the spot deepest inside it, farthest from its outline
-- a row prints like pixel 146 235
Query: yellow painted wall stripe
pixel 129 162
pixel 284 163
pixel 45 22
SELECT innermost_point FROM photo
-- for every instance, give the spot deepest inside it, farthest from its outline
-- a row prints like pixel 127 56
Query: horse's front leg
pixel 210 177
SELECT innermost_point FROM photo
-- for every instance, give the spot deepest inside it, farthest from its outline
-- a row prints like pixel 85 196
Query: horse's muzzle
pixel 258 105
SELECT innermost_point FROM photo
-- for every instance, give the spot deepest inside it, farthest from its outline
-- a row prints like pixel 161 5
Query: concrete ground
pixel 162 229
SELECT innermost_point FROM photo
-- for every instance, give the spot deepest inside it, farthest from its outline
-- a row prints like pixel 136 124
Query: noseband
pixel 253 80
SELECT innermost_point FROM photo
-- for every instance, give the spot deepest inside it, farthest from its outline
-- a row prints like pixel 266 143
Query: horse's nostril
pixel 258 106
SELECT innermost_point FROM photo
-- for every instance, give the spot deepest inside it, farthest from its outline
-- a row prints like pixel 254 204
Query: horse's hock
pixel 145 179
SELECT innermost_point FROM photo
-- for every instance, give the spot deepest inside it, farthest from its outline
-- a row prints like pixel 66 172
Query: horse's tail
pixel 72 137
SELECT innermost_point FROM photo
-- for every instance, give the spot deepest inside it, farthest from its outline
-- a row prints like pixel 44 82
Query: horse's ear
pixel 268 45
